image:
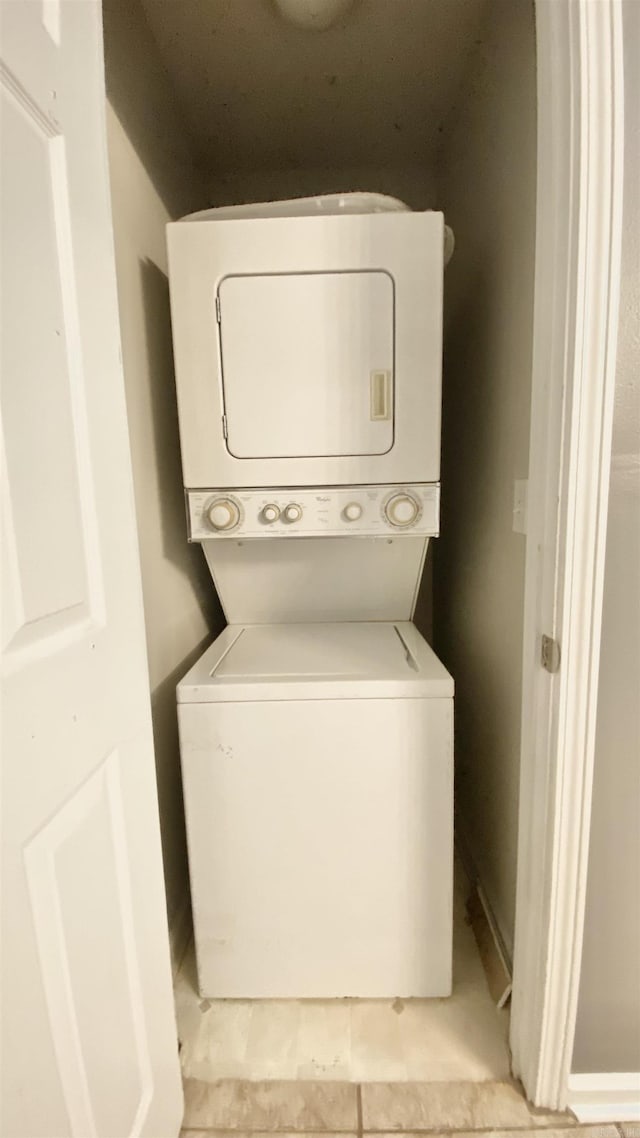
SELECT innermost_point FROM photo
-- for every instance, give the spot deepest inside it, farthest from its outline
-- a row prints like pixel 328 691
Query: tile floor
pixel 233 1108
pixel 463 1038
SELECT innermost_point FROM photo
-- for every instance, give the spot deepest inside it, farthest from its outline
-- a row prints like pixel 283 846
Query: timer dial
pixel 401 510
pixel 223 514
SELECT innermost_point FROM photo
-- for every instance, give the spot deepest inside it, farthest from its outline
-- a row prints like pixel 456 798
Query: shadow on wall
pixel 176 548
pixel 190 563
pixel 423 614
pixel 141 96
pixel 479 576
pixel 170 795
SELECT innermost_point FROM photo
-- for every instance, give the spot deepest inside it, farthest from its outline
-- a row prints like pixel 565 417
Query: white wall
pixel 152 179
pixel 487 191
pixel 608 1025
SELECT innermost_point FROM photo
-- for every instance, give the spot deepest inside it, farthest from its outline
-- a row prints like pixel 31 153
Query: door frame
pixel 577 280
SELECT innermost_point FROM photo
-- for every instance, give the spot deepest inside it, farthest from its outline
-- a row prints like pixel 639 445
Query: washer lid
pixel 316 661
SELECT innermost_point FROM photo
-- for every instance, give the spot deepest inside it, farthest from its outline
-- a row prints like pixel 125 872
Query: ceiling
pixel 259 93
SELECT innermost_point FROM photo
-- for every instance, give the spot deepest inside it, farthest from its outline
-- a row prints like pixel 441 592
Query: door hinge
pixel 550 654
pixel 225 431
pixel 218 312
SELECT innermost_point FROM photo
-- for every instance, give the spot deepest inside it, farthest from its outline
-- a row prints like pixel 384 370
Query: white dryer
pixel 308 342
pixel 318 786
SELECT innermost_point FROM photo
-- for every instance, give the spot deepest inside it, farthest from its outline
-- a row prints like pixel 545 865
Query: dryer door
pixel 307 364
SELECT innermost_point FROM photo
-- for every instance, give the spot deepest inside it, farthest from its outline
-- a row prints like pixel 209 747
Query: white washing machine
pixel 316 732
pixel 318 782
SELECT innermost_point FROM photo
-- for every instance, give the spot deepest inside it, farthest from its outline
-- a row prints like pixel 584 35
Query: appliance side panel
pixel 276 580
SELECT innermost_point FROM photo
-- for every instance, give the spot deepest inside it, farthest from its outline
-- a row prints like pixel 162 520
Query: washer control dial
pixel 270 512
pixel 352 511
pixel 292 512
pixel 223 514
pixel 401 510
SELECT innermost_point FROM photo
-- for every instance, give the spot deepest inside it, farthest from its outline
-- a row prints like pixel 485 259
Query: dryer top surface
pixel 326 204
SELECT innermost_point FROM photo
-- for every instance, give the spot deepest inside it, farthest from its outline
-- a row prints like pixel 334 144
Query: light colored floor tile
pixel 564 1132
pixel 221 1042
pixel 376 1047
pixel 272 1041
pixel 324 1040
pixel 451 1106
pixel 213 1033
pixel 462 1038
pixel 268 1106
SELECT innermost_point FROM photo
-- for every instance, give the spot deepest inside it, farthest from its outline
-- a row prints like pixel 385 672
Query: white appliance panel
pixel 317 579
pixel 320 846
pixel 400 247
pixel 324 511
pixel 372 573
pixel 307 364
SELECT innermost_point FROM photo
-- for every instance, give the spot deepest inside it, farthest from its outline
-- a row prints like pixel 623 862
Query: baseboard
pixel 603 1097
pixel 489 945
pixel 495 957
pixel 179 933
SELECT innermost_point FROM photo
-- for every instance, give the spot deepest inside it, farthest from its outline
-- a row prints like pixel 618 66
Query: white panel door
pixel 89 1045
pixel 307 364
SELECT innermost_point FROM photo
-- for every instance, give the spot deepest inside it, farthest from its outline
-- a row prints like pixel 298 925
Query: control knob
pixel 292 512
pixel 223 514
pixel 353 511
pixel 401 510
pixel 270 512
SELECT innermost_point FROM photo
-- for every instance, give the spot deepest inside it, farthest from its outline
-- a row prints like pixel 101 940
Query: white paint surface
pixel 602 1097
pixel 204 254
pixel 488 189
pixel 608 1025
pixel 279 910
pixel 88 1033
pixel 520 493
pixel 151 172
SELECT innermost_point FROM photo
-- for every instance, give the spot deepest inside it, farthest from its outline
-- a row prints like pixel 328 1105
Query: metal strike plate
pixel 550 654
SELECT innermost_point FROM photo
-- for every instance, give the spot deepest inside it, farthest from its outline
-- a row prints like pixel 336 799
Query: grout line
pixel 506 1132
pixel 359 1108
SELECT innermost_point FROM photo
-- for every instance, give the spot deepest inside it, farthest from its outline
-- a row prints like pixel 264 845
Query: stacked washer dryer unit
pixel 317 731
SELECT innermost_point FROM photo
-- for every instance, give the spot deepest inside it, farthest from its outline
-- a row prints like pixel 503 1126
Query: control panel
pixel 367 511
